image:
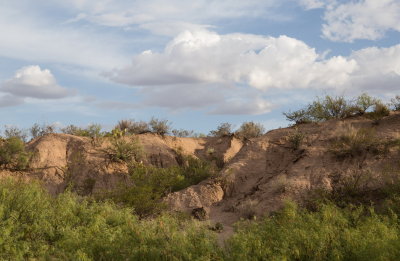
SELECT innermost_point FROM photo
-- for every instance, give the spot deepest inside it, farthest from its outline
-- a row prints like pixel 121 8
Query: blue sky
pixel 196 63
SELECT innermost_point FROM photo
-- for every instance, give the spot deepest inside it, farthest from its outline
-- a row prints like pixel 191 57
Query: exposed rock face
pixel 62 160
pixel 268 170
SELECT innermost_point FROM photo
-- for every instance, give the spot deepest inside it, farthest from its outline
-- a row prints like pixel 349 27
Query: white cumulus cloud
pixel 258 61
pixel 33 82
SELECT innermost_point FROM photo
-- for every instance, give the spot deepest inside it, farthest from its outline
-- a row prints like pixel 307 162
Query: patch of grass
pixel 353 143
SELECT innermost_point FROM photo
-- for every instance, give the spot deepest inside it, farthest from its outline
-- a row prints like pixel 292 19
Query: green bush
pixel 224 129
pixel 160 127
pixel 133 127
pixel 250 130
pixel 364 102
pixel 151 183
pixel 125 150
pixel 380 111
pixel 182 133
pixel 40 130
pixel 330 233
pixel 296 139
pixel 14 132
pixel 92 131
pixel 338 108
pixel 36 226
pixel 395 103
pixel 13 154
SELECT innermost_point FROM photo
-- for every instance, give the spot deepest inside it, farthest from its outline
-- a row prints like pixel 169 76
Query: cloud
pixel 363 19
pixel 10 100
pixel 244 107
pixel 231 73
pixel 312 4
pixel 31 81
pixel 169 17
pixel 29 39
pixel 260 62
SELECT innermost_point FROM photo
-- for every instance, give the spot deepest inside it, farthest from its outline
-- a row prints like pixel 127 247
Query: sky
pixel 197 63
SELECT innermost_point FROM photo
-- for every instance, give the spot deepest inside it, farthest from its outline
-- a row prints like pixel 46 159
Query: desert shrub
pixel 353 143
pixel 380 110
pixel 36 226
pixel 296 139
pixel 329 108
pixel 12 132
pixel 13 154
pixel 151 183
pixel 139 127
pixel 124 125
pixel 299 117
pixel 182 133
pixel 395 103
pixel 40 130
pixel 364 102
pixel 337 107
pixel 330 233
pixel 224 129
pixel 71 129
pixel 160 127
pixel 125 150
pixel 92 131
pixel 250 130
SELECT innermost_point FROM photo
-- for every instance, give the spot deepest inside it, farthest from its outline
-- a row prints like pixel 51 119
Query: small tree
pixel 250 130
pixel 224 129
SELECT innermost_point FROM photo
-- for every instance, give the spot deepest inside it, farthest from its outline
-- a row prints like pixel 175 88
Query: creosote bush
pixel 224 129
pixel 250 130
pixel 125 150
pixel 160 127
pixel 40 130
pixel 92 131
pixel 338 107
pixel 13 154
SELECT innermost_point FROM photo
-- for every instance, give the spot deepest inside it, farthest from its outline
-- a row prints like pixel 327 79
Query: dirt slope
pixel 258 174
pixel 267 170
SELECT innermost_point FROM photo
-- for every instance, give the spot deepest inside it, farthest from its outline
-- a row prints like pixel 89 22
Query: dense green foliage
pixel 13 154
pixel 35 225
pixel 338 107
pixel 125 149
pixel 152 183
pixel 331 233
